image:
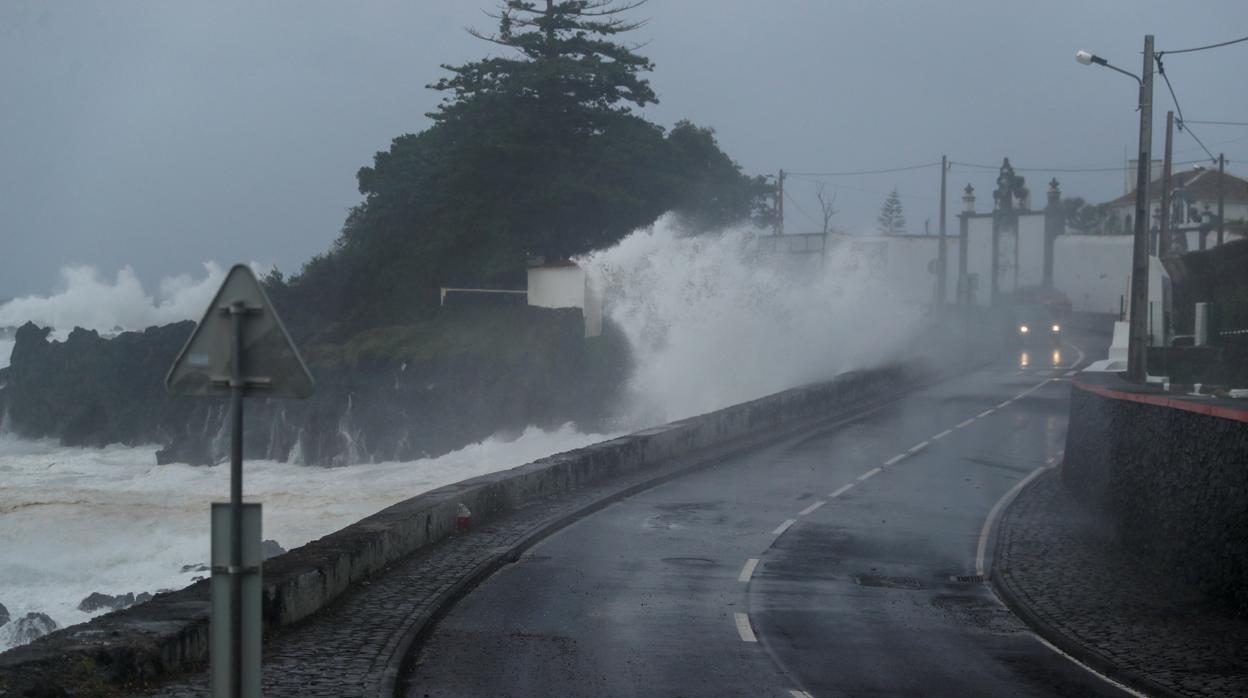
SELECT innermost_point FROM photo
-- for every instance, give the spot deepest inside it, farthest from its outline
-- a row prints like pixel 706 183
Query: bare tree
pixel 827 205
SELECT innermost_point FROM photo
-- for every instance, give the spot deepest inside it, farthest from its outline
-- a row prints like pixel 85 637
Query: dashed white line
pixel 811 508
pixel 895 459
pixel 800 694
pixel 918 447
pixel 982 548
pixel 942 435
pixel 1070 373
pixel 743 628
pixel 1006 403
pixel 783 527
pixel 985 413
pixel 842 490
pixel 870 473
pixel 965 423
pixel 748 570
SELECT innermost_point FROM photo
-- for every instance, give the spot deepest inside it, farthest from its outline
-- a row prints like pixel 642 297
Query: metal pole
pixel 943 259
pixel 237 384
pixel 1137 349
pixel 1221 196
pixel 1164 245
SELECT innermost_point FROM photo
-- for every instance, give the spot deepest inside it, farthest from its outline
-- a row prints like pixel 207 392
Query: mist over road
pixel 826 565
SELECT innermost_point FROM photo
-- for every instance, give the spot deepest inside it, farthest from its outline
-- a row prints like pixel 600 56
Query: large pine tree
pixel 533 153
pixel 891 219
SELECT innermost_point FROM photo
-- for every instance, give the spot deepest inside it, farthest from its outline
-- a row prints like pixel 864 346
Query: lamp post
pixel 1137 349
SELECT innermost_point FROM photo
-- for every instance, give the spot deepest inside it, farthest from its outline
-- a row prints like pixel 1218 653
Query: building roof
pixel 1200 183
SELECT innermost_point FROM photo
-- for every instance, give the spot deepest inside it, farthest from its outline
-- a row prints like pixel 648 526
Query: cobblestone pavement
pixel 344 650
pixel 1141 626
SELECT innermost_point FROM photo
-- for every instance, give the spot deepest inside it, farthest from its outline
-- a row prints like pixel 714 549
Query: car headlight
pixel 1057 328
pixel 1023 329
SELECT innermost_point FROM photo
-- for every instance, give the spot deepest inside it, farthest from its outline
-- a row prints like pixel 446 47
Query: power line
pixel 1218 123
pixel 801 210
pixel 1180 122
pixel 864 172
pixel 1205 48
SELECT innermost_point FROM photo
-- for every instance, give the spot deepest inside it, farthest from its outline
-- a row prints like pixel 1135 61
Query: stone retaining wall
pixel 1169 476
pixel 170 633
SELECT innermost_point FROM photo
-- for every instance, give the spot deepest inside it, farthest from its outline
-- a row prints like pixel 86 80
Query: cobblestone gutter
pixel 170 633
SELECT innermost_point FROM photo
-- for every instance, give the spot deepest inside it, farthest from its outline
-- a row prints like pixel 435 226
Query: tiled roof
pixel 1200 183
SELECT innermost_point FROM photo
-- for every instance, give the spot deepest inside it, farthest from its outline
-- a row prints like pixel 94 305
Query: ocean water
pixel 75 521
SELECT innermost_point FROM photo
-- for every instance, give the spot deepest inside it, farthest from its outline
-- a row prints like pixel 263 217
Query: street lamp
pixel 1137 349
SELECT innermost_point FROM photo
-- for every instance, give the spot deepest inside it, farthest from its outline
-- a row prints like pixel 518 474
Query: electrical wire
pixel 1218 123
pixel 1180 122
pixel 1206 48
pixel 800 209
pixel 863 172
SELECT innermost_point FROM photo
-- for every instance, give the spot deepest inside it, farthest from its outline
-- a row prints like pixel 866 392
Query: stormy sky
pixel 162 135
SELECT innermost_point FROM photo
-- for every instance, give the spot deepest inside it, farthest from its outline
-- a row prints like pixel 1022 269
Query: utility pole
pixel 942 260
pixel 1137 347
pixel 1163 243
pixel 1221 196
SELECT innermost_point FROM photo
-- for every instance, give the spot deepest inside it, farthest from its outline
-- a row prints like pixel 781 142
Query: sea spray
pixel 715 320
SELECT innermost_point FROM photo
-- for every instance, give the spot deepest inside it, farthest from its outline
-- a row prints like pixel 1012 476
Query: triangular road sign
pixel 271 365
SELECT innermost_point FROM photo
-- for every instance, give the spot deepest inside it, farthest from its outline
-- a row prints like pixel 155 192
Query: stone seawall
pixel 170 633
pixel 1169 476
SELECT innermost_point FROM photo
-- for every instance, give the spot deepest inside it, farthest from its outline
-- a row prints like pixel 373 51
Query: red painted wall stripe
pixel 1160 401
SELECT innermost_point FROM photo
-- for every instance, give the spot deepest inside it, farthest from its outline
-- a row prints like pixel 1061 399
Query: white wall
pixel 1092 270
pixel 1030 250
pixel 566 287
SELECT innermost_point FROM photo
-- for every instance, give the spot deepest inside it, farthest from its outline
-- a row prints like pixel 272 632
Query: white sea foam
pixel 713 321
pixel 74 521
pixel 86 299
pixel 6 350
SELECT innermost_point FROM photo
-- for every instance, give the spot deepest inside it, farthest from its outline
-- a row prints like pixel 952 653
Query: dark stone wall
pixel 1171 484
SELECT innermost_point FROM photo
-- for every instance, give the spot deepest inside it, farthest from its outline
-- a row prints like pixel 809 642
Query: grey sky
pixel 166 134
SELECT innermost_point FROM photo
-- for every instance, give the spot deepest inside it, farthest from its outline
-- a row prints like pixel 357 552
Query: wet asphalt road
pixel 854 592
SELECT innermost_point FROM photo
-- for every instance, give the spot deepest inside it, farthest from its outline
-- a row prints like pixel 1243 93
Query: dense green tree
pixel 535 153
pixel 891 219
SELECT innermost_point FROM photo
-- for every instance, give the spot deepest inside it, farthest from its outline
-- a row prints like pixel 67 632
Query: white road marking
pixel 743 628
pixel 965 423
pixel 783 527
pixel 800 694
pixel 1071 373
pixel 811 508
pixel 842 490
pixel 942 435
pixel 1116 684
pixel 870 473
pixel 982 548
pixel 895 459
pixel 1006 403
pixel 748 570
pixel 918 447
pixel 1078 360
pixel 985 413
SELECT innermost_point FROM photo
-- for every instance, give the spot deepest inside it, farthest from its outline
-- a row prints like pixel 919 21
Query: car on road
pixel 1035 324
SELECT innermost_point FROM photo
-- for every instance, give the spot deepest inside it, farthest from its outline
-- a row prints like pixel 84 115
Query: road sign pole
pixel 237 311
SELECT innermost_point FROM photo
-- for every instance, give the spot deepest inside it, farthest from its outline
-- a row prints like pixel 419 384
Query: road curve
pixel 842 563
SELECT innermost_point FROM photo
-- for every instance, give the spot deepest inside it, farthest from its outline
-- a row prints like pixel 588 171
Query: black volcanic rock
pixel 270 548
pixel 390 393
pixel 4 615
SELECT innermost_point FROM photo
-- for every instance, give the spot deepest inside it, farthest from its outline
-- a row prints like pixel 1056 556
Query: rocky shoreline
pixel 393 394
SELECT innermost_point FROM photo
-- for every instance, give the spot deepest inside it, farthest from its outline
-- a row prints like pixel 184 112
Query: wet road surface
pixel 842 563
